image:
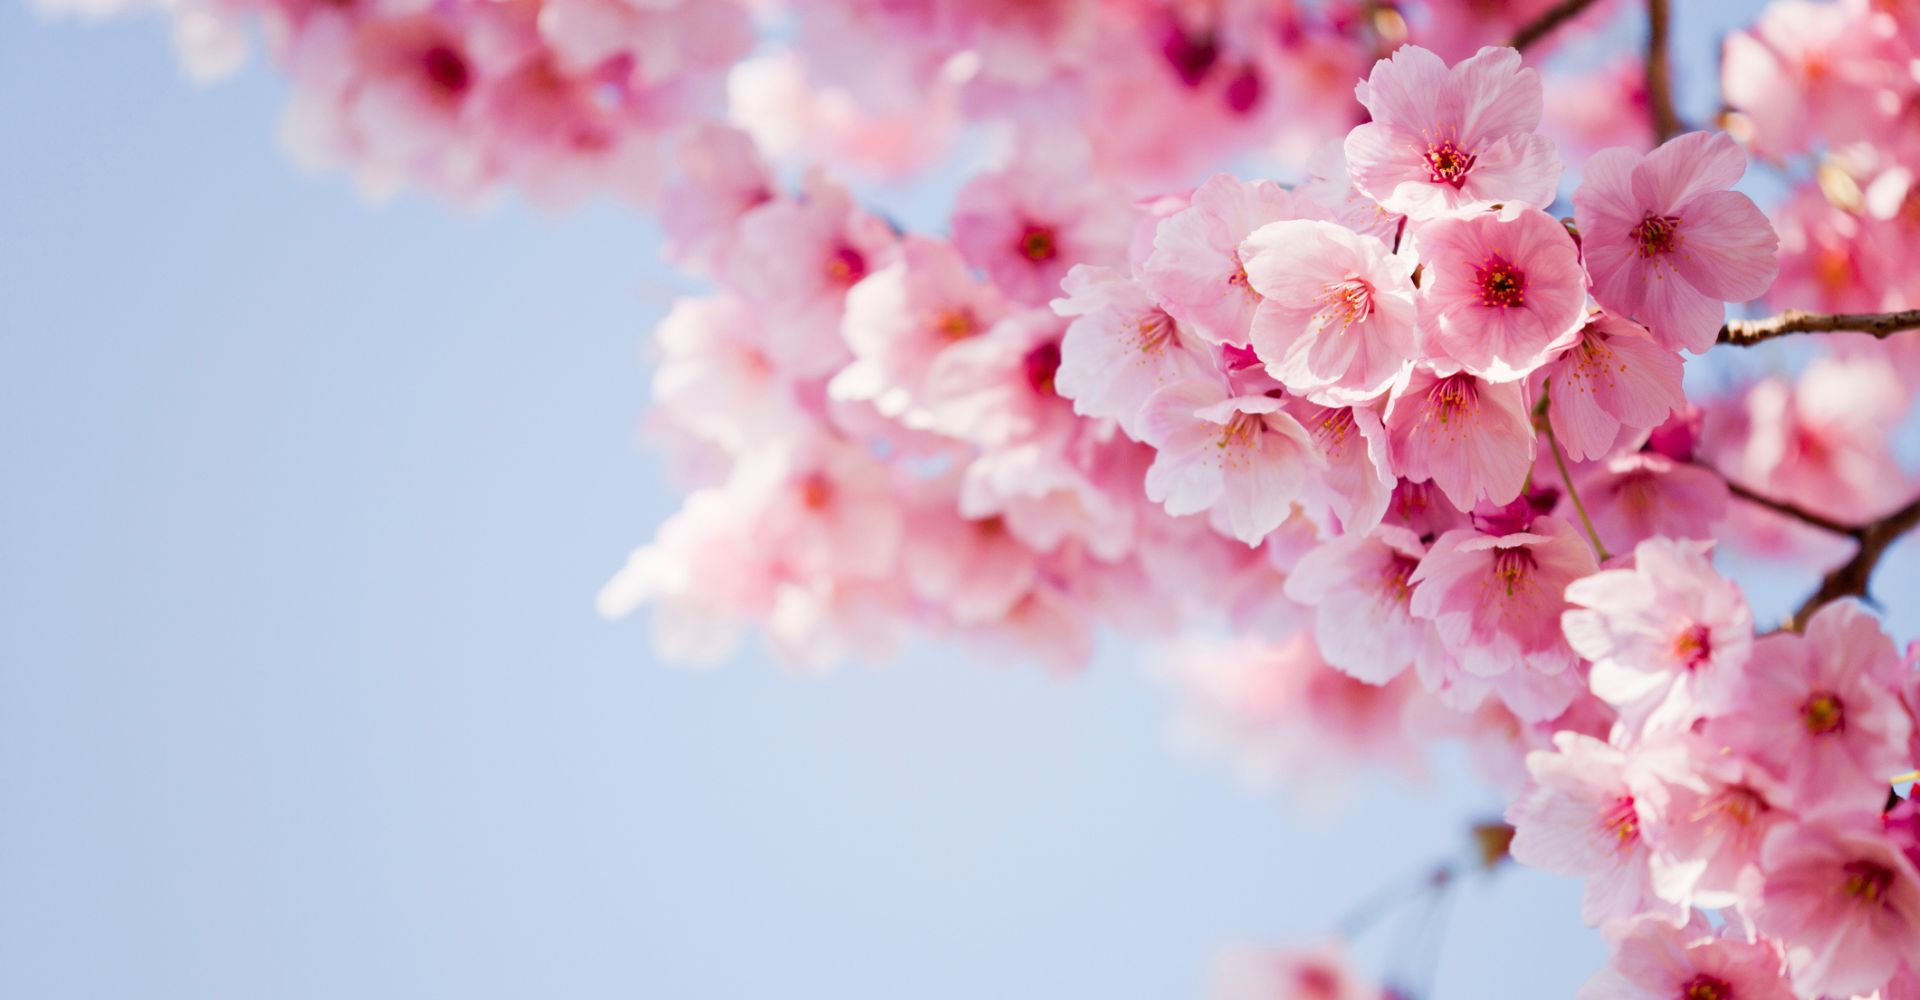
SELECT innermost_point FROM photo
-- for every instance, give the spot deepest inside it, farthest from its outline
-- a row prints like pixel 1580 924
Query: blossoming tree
pixel 1403 449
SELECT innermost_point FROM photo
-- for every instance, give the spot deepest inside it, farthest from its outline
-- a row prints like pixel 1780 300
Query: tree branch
pixel 1850 578
pixel 1796 512
pixel 1544 25
pixel 1666 123
pixel 1747 332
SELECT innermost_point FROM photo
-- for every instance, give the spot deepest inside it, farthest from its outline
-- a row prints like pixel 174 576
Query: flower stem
pixel 1566 479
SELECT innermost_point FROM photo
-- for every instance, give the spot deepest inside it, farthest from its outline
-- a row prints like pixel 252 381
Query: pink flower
pixel 1266 974
pixel 1196 268
pixel 998 387
pixel 1821 711
pixel 1666 240
pixel 722 177
pixel 1353 494
pixel 901 318
pixel 1445 139
pixel 1497 599
pixel 1654 960
pixel 796 258
pixel 716 378
pixel 1634 497
pixel 1502 290
pixel 1706 821
pixel 1241 455
pixel 1613 376
pixel 1026 226
pixel 1667 638
pixel 1470 437
pixel 1806 70
pixel 1120 347
pixel 974 570
pixel 1845 904
pixel 1823 442
pixel 1360 586
pixel 1580 818
pixel 1336 320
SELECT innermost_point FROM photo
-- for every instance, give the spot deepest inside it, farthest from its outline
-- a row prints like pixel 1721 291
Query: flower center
pixel 1448 164
pixel 1693 646
pixel 1823 714
pixel 1501 285
pixel 845 266
pixel 1705 987
pixel 1042 364
pixel 1156 330
pixel 1348 302
pixel 1038 244
pixel 1240 432
pixel 1867 881
pixel 1453 398
pixel 1513 573
pixel 816 491
pixel 1622 821
pixel 446 70
pixel 955 323
pixel 1657 235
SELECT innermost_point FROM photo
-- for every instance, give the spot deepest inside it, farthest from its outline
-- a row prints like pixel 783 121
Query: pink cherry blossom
pixel 1707 820
pixel 1444 139
pixel 1335 320
pixel 1120 347
pixel 1654 960
pixel 1613 376
pixel 1361 590
pixel 1501 290
pixel 1844 902
pixel 1496 599
pixel 1666 240
pixel 1820 711
pixel 1026 226
pixel 1580 818
pixel 1667 638
pixel 1292 974
pixel 1468 436
pixel 1645 494
pixel 1353 493
pixel 1242 455
pixel 1197 268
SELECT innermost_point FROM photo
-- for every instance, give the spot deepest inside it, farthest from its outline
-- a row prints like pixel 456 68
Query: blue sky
pixel 302 694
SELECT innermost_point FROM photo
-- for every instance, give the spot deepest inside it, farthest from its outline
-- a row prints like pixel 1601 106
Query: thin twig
pixel 1666 123
pixel 1566 479
pixel 1795 511
pixel 1747 332
pixel 1850 578
pixel 1542 26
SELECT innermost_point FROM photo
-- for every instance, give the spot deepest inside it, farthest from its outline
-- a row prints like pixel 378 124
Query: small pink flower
pixel 1120 347
pixel 998 387
pixel 1336 320
pixel 1026 226
pixel 1667 638
pixel 1822 712
pixel 1654 960
pixel 1613 376
pixel 900 319
pixel 1360 586
pixel 1666 240
pixel 1580 818
pixel 1706 821
pixel 1497 599
pixel 1353 494
pixel 1502 290
pixel 1634 497
pixel 1845 904
pixel 1292 974
pixel 1470 437
pixel 1196 268
pixel 1445 139
pixel 1242 455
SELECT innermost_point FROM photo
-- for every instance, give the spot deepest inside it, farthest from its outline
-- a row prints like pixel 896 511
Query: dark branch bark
pixel 1544 25
pixel 1850 579
pixel 1666 123
pixel 1747 332
pixel 1796 512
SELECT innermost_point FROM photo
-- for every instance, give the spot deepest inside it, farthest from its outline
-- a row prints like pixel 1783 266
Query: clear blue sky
pixel 302 694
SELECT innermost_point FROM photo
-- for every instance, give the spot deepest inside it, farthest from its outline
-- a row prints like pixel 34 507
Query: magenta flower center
pixel 845 265
pixel 1705 987
pixel 1513 572
pixel 1622 822
pixel 1347 302
pixel 1657 235
pixel 1038 243
pixel 1823 714
pixel 816 491
pixel 1448 163
pixel 446 70
pixel 1867 881
pixel 1693 647
pixel 1501 285
pixel 1453 398
pixel 1042 364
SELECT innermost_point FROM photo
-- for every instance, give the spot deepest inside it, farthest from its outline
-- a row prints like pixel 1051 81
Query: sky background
pixel 302 694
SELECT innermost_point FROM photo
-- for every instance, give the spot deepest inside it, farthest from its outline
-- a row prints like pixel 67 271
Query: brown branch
pixel 1544 25
pixel 1796 512
pixel 1747 332
pixel 1850 578
pixel 1666 123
